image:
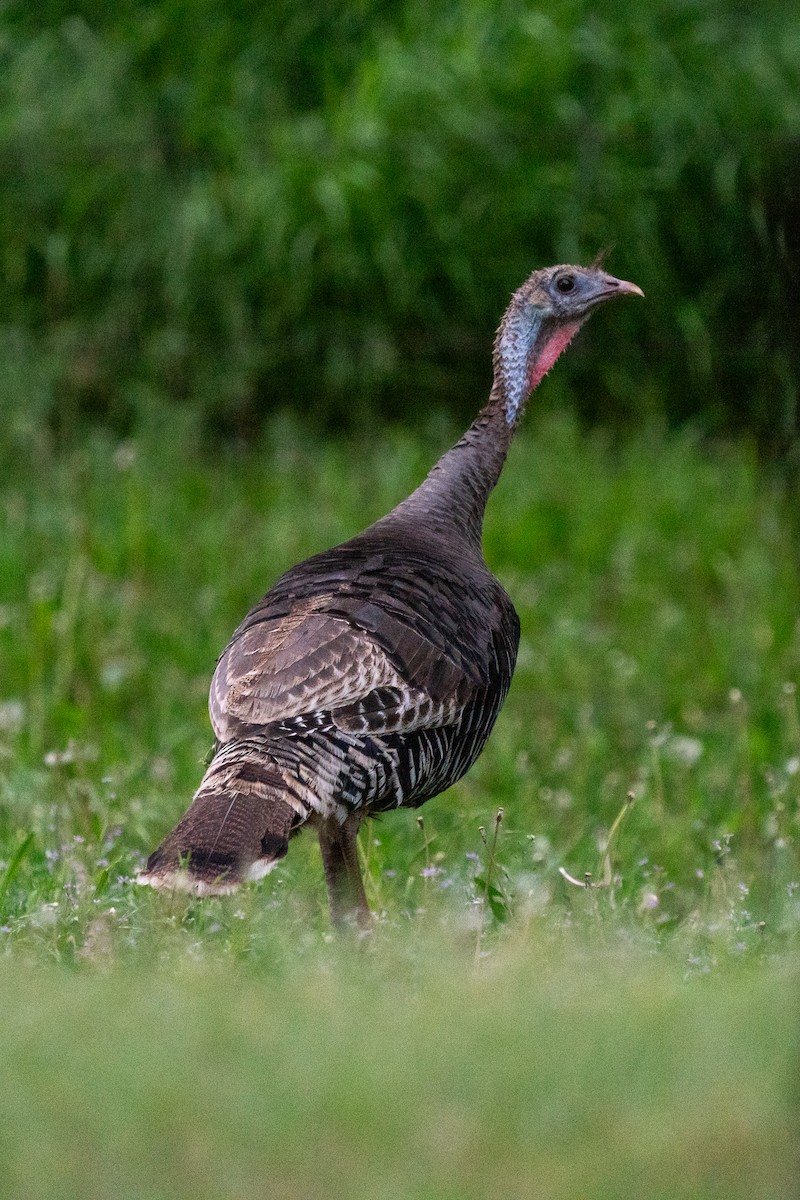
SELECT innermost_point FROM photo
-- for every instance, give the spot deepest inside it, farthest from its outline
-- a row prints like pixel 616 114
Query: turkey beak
pixel 621 287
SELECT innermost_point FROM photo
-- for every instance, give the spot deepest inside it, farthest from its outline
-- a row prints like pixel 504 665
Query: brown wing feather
pixel 310 661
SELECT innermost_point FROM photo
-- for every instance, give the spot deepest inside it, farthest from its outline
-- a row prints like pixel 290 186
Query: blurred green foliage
pixel 240 206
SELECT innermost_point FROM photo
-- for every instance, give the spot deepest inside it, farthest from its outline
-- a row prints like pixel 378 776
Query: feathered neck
pixel 453 497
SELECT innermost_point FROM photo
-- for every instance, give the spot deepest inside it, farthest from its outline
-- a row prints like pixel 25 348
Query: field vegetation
pixel 501 1024
pixel 325 206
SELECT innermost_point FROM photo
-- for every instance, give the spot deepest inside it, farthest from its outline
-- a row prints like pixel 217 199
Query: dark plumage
pixel 370 676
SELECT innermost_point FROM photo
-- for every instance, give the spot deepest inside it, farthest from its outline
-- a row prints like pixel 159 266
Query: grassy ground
pixel 504 1031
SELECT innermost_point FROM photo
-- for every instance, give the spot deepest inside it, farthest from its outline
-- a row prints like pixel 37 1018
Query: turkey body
pixel 380 667
pixel 369 677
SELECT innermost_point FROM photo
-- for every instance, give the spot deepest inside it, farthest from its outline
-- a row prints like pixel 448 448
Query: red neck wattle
pixel 555 345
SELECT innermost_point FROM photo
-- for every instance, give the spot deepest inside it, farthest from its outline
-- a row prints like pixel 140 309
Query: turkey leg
pixel 339 847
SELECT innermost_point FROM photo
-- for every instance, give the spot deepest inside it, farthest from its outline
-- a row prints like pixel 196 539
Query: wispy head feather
pixel 602 255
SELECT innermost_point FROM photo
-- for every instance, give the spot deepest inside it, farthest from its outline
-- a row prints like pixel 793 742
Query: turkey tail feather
pixel 236 829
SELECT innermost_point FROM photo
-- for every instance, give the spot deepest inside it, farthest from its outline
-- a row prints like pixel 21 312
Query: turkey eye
pixel 565 284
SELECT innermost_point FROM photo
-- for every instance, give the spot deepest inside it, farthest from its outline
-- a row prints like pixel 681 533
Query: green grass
pixel 503 1032
pixel 399 1075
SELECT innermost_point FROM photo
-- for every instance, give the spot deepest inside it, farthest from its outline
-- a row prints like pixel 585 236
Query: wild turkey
pixel 370 676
